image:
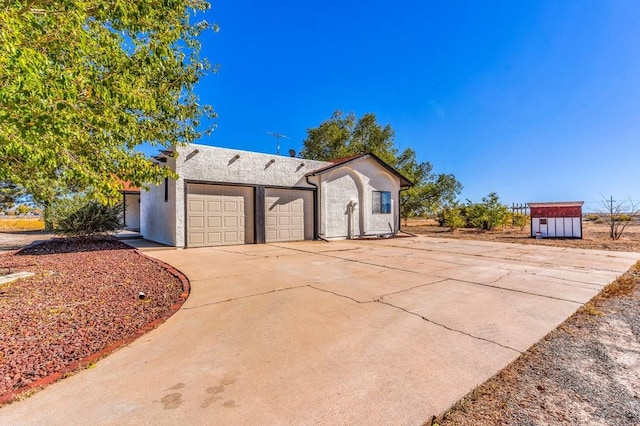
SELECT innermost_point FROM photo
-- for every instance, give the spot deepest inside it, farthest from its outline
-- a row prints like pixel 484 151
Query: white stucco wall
pixel 220 165
pixel 340 189
pixel 157 217
pixel 355 182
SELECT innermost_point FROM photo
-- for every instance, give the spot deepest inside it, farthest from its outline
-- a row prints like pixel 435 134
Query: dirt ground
pixel 14 240
pixel 595 235
pixel 586 372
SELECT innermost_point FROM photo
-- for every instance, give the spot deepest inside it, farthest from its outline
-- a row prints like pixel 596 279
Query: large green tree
pixel 83 83
pixel 345 135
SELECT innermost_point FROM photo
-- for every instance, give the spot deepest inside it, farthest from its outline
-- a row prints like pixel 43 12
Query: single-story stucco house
pixel 226 196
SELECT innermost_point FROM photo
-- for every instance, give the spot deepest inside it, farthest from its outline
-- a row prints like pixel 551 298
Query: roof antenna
pixel 278 136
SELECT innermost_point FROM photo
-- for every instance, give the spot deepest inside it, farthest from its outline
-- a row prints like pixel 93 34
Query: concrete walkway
pixel 353 332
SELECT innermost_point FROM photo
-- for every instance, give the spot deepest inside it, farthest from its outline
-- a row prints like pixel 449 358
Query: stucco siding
pixel 379 180
pixel 201 163
pixel 355 183
pixel 212 164
pixel 344 192
pixel 340 190
pixel 157 217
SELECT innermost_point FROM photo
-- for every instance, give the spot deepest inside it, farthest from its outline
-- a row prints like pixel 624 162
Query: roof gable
pixel 404 182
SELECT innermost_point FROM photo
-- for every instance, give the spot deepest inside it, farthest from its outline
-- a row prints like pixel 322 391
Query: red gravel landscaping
pixel 84 297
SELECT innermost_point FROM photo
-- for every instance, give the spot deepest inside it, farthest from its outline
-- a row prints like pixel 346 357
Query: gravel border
pixel 87 361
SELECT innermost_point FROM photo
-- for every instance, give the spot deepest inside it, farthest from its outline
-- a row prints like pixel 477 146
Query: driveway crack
pixel 516 291
pixel 382 302
pixel 341 295
pixel 233 299
pixel 448 328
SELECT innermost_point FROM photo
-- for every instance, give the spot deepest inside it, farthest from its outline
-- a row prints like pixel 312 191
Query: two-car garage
pixel 229 215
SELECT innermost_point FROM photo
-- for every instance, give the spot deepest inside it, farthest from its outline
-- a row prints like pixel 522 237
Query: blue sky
pixel 536 100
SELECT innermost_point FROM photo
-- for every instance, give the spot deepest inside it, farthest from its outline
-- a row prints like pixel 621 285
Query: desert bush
pixel 23 209
pixel 520 220
pixel 593 218
pixel 80 216
pixel 453 217
pixel 487 214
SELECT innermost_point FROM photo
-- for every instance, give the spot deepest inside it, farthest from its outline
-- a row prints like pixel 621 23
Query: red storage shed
pixel 556 220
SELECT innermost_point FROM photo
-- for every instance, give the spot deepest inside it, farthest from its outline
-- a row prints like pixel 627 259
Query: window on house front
pixel 381 202
pixel 166 190
pixel 543 221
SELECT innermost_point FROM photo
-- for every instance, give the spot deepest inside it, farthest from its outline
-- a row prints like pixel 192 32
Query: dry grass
pixel 21 224
pixel 623 286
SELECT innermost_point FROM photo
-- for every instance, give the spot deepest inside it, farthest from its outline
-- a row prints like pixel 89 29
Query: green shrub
pixel 452 217
pixel 487 214
pixel 594 218
pixel 80 216
pixel 520 220
pixel 23 209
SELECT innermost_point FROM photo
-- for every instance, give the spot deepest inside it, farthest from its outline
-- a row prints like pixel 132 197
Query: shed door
pixel 219 215
pixel 288 215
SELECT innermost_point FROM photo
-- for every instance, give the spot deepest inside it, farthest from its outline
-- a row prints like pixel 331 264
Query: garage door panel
pixel 232 237
pixel 284 234
pixel 196 222
pixel 231 206
pixel 196 206
pixel 214 222
pixel 228 218
pixel 214 238
pixel 288 215
pixel 196 237
pixel 284 220
pixel 214 206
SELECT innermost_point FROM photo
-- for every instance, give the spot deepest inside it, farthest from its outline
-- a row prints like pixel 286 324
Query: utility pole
pixel 612 219
pixel 611 205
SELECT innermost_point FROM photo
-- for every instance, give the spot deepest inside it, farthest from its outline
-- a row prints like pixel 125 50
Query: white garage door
pixel 288 215
pixel 219 215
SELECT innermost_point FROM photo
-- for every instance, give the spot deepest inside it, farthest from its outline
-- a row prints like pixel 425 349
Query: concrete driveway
pixel 352 332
